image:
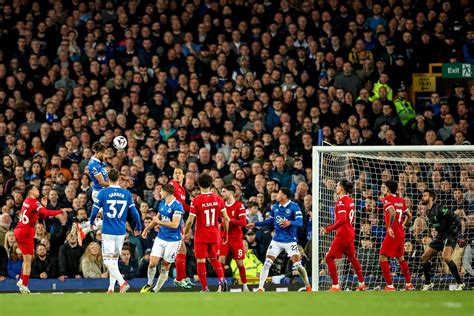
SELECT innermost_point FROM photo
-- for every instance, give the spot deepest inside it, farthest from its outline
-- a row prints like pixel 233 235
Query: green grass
pixel 243 304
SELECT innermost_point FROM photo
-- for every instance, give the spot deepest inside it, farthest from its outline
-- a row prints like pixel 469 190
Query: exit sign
pixel 457 70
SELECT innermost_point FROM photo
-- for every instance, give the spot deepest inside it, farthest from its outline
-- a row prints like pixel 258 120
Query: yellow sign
pixel 424 83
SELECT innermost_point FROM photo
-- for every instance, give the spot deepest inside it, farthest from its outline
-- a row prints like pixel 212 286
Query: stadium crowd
pixel 238 88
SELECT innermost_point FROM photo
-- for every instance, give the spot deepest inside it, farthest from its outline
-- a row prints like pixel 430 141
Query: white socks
pixel 151 275
pixel 114 272
pixel 302 272
pixel 161 280
pixel 264 273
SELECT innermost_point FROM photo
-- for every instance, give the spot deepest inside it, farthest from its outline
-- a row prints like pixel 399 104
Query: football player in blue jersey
pixel 286 216
pixel 97 170
pixel 116 202
pixel 168 240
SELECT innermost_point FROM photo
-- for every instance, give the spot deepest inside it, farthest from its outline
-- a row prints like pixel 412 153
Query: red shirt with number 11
pixel 207 207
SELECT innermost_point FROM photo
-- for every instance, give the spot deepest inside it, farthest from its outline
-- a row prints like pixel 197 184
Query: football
pixel 120 142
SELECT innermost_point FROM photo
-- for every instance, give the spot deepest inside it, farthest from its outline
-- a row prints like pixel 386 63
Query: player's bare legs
pixel 151 272
pixel 165 268
pixel 426 262
pixel 447 257
pixel 301 271
pixel 25 274
pixel 264 273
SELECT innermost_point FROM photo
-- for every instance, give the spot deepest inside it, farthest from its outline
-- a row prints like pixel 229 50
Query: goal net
pixel 449 170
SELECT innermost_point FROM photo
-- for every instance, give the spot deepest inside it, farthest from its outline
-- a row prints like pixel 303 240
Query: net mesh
pixel 450 174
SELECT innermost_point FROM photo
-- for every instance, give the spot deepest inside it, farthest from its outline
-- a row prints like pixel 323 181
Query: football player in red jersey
pixel 237 214
pixel 180 194
pixel 343 243
pixel 395 209
pixel 31 209
pixel 207 209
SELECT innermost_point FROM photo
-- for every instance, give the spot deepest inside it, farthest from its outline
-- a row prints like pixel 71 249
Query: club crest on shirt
pixel 288 211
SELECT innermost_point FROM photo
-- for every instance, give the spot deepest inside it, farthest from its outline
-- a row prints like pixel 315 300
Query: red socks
pixel 180 266
pixel 386 272
pixel 358 269
pixel 201 271
pixel 243 274
pixel 217 266
pixel 405 271
pixel 332 270
pixel 25 279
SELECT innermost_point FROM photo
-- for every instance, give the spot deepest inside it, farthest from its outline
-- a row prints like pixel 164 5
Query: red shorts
pixel 341 247
pixel 25 242
pixel 236 246
pixel 206 250
pixel 393 247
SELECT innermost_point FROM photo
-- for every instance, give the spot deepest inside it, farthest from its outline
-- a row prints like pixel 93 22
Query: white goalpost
pixel 448 170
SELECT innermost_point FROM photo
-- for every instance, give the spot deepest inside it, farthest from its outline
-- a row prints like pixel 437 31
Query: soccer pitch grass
pixel 270 303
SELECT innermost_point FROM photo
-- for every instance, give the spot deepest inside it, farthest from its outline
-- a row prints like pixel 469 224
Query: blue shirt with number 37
pixel 115 202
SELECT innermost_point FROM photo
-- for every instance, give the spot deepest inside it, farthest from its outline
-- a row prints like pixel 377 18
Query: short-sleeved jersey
pixel 96 167
pixel 29 215
pixel 116 202
pixel 207 207
pixel 237 215
pixel 400 208
pixel 180 194
pixel 167 212
pixel 345 205
pixel 291 212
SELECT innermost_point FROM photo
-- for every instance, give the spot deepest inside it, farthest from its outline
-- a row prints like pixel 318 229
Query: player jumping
pixel 448 226
pixel 180 195
pixel 24 232
pixel 96 167
pixel 343 243
pixel 287 217
pixel 237 213
pixel 168 240
pixel 116 203
pixel 207 208
pixel 395 209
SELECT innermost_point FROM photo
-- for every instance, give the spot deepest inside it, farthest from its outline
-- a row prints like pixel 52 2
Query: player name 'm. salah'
pixel 209 204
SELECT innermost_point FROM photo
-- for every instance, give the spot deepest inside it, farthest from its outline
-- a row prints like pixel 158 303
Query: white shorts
pixel 165 249
pixel 112 244
pixel 276 248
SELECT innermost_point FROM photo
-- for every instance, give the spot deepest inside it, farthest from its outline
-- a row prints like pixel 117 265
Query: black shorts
pixel 439 243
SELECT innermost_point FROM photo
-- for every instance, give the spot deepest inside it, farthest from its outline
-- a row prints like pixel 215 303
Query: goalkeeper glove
pixel 461 241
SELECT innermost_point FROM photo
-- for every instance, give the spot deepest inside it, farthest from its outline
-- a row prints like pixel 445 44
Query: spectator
pixel 69 258
pixel 10 241
pixel 43 266
pixel 254 245
pixel 3 264
pixel 128 265
pixel 15 261
pixel 91 262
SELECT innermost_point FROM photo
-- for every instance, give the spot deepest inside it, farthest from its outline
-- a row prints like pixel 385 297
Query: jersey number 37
pixel 113 210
